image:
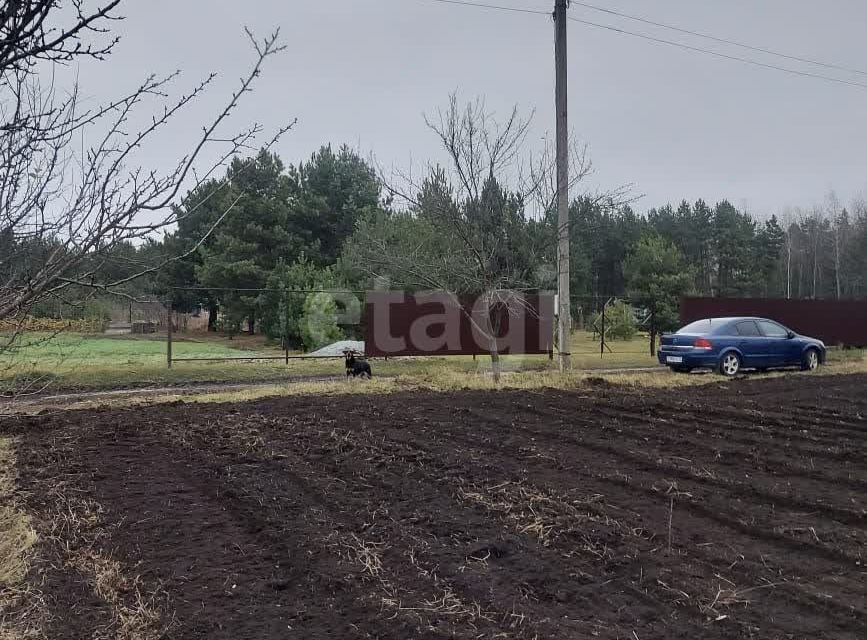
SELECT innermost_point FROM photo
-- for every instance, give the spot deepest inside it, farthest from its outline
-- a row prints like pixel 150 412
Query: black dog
pixel 356 368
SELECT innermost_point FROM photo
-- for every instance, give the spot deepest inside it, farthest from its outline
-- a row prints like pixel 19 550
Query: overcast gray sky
pixel 677 124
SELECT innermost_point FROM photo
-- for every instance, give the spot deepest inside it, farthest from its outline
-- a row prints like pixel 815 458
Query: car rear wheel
pixel 730 364
pixel 810 361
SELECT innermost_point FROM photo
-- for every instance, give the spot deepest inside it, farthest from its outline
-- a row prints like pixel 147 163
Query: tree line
pixel 329 224
pixel 820 253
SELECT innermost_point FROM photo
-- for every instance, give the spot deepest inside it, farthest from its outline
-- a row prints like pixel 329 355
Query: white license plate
pixel 674 360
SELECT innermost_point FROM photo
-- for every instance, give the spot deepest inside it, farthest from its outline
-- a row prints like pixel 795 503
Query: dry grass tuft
pixel 17 536
pixel 21 606
pixel 546 516
pixel 136 616
pixel 729 597
pixel 76 529
pixel 438 380
pixel 441 602
pixel 366 554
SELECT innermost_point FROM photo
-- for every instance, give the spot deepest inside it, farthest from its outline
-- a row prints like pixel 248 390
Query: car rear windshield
pixel 700 327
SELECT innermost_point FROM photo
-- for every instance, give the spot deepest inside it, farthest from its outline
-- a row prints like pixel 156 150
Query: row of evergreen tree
pixel 817 254
pixel 304 227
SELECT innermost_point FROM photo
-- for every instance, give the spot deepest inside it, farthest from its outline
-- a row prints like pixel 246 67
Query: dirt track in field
pixel 732 511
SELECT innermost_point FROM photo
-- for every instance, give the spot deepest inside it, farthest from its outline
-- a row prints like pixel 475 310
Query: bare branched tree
pixel 71 189
pixel 538 179
pixel 470 234
pixel 30 33
pixel 479 145
pixel 416 253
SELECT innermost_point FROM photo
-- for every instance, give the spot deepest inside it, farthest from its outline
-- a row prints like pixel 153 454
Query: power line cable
pixel 718 54
pixel 708 36
pixel 483 5
pixel 687 47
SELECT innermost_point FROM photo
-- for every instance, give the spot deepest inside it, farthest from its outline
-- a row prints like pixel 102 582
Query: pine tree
pixel 330 193
pixel 768 248
pixel 734 234
pixel 658 277
pixel 253 240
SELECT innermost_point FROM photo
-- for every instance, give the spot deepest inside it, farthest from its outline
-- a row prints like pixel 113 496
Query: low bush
pixel 620 321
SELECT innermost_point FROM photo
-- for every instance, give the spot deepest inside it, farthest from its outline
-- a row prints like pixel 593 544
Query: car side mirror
pixel 790 335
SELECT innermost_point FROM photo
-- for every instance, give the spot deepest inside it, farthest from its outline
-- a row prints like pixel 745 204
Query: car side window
pixel 773 330
pixel 748 328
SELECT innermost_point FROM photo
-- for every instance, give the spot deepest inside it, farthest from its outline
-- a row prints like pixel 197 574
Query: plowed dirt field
pixel 737 510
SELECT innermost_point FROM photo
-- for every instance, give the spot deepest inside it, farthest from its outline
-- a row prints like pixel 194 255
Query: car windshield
pixel 699 327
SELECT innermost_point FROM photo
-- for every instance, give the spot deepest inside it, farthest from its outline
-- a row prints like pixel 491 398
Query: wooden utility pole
pixel 565 309
pixel 169 313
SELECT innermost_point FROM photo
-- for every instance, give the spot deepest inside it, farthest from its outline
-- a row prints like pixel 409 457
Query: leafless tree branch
pixel 62 208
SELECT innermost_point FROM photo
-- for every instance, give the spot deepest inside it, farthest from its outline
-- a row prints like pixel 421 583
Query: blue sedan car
pixel 730 345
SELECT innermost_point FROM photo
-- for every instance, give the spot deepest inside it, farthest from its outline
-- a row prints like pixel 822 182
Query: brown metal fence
pixel 836 322
pixel 438 324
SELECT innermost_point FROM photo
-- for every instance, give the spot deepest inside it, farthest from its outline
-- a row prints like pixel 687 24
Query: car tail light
pixel 703 343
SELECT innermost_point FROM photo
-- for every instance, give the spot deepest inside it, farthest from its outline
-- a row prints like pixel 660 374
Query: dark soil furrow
pixel 801 437
pixel 723 449
pixel 631 454
pixel 733 510
pixel 738 431
pixel 703 517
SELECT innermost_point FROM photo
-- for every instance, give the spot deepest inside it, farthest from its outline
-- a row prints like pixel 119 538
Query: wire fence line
pixel 594 316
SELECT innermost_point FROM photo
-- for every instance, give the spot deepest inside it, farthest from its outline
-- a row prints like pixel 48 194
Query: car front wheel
pixel 810 361
pixel 730 364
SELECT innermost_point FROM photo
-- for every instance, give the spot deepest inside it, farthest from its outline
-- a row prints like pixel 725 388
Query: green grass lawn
pixel 72 351
pixel 88 361
pixel 76 361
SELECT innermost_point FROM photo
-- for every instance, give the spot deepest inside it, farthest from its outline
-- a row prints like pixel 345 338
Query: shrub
pixel 619 321
pixel 319 322
pixel 285 307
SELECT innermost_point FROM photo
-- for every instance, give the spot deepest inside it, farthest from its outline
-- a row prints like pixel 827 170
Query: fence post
pixel 169 336
pixel 284 321
pixel 602 334
pixel 652 335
